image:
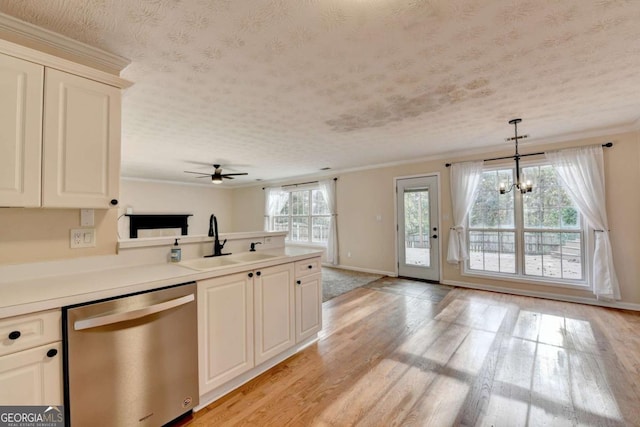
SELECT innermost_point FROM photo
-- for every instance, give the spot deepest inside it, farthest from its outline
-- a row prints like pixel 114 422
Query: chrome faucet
pixel 213 232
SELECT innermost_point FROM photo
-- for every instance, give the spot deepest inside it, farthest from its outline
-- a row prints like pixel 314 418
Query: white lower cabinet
pixel 244 319
pixel 31 359
pixel 274 299
pixel 225 329
pixel 32 377
pixel 308 306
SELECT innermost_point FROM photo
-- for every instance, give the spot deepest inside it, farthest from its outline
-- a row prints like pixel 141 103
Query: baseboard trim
pixel 361 270
pixel 545 295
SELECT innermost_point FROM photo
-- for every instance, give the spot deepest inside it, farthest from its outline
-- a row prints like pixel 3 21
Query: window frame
pixel 310 216
pixel 519 231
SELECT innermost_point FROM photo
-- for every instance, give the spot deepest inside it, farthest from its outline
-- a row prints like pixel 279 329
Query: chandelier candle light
pixel 522 186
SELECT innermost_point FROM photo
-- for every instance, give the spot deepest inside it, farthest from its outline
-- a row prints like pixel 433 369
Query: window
pixel 537 235
pixel 304 214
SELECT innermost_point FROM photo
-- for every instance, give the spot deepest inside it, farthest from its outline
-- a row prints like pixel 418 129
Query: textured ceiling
pixel 283 88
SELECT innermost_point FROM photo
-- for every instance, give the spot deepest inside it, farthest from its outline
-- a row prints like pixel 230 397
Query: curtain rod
pixel 300 183
pixel 606 144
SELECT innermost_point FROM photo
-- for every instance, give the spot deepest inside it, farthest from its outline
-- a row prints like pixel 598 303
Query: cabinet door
pixel 81 142
pixel 308 306
pixel 274 301
pixel 32 377
pixel 21 85
pixel 225 329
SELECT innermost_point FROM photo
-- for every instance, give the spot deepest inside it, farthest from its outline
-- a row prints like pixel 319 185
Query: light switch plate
pixel 83 238
pixel 87 218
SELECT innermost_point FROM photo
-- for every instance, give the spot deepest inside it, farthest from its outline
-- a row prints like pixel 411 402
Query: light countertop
pixel 48 292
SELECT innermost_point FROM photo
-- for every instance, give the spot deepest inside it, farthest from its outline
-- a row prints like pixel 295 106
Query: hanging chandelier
pixel 521 185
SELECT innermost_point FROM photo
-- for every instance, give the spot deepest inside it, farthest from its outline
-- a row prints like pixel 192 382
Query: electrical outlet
pixel 83 238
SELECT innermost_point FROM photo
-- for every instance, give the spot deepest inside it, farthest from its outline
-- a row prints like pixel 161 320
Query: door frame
pixel 395 217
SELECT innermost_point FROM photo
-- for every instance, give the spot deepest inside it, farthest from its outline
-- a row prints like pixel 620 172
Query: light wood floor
pixel 390 357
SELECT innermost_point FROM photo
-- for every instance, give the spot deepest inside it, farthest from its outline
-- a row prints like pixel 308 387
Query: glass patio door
pixel 418 233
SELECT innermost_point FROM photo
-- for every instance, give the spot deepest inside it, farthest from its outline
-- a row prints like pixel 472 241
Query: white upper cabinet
pixel 21 88
pixel 81 142
pixel 59 132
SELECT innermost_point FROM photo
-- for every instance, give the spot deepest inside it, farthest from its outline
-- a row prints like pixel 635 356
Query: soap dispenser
pixel 176 252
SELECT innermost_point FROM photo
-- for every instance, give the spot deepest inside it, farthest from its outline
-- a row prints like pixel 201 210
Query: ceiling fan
pixel 217 176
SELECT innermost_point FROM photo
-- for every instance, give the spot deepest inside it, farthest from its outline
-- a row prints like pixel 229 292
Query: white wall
pixel 364 196
pixel 164 198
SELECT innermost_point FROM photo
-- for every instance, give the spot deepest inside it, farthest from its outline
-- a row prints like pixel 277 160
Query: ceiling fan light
pixel 216 179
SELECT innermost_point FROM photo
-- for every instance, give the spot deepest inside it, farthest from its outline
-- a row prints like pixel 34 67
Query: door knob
pixel 435 236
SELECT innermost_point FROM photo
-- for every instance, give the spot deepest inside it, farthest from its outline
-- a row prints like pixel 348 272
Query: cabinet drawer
pixel 28 331
pixel 307 266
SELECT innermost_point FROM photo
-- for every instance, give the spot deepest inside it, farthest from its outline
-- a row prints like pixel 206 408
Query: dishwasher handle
pixel 108 319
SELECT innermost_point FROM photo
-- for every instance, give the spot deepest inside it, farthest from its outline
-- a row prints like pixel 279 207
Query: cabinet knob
pixel 298 282
pixel 435 236
pixel 114 202
pixel 310 267
pixel 258 273
pixel 14 335
pixel 250 274
pixel 52 352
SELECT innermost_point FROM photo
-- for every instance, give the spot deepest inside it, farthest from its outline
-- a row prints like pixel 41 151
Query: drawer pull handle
pixel 298 282
pixel 14 335
pixel 52 352
pixel 311 266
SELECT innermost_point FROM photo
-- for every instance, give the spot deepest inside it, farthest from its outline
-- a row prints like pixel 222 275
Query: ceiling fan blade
pixel 227 177
pixel 204 176
pixel 199 173
pixel 235 174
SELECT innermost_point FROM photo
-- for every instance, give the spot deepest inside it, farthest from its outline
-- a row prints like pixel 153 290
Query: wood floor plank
pixel 391 356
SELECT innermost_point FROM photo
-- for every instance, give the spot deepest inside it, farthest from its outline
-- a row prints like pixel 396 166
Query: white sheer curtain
pixel 581 172
pixel 465 181
pixel 328 189
pixel 273 198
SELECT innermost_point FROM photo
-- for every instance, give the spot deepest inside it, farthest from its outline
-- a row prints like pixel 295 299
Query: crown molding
pixel 35 36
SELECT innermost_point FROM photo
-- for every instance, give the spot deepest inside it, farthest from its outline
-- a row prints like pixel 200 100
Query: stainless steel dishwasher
pixel 132 360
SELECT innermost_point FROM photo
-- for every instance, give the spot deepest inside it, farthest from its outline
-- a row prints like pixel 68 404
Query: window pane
pixel 416 227
pixel 319 205
pixel 492 209
pixel 547 206
pixel 549 254
pixel 281 201
pixel 492 251
pixel 299 229
pixel 300 202
pixel 280 223
pixel 320 229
